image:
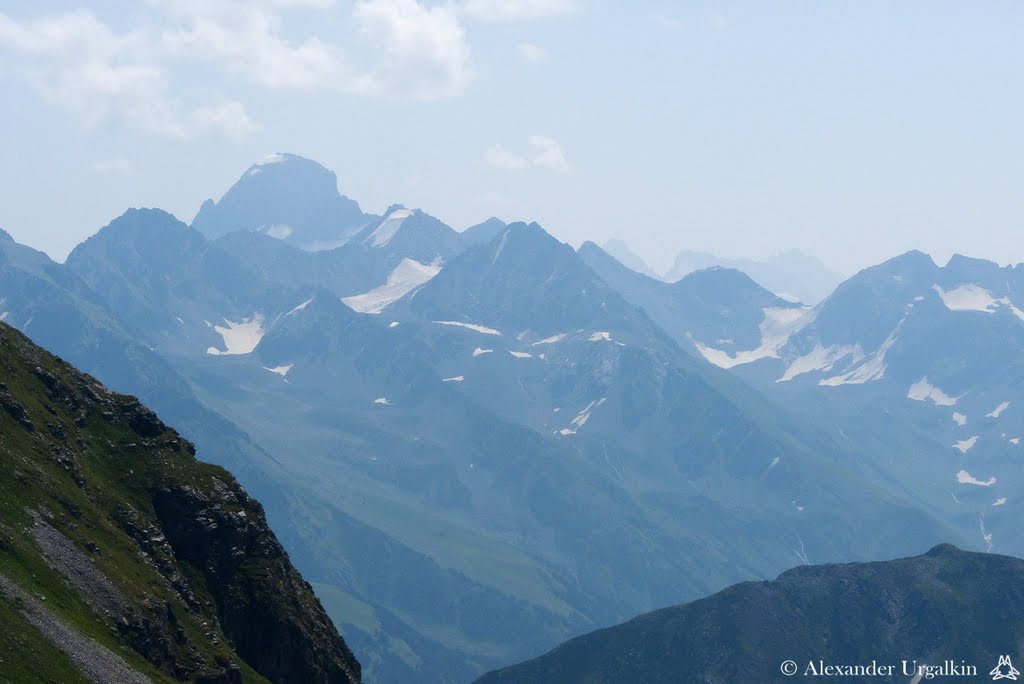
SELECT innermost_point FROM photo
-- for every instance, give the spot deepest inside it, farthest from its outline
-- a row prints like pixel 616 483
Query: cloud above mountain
pixel 104 72
pixel 544 153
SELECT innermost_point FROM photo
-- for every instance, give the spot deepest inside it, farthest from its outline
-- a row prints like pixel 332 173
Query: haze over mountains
pixel 790 274
pixel 479 444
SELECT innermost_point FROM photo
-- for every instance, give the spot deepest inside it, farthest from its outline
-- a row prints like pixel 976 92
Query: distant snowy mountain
pixel 286 197
pixel 791 274
pixel 920 364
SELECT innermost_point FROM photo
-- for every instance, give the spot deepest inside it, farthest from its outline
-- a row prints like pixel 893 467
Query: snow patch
pixel 501 246
pixel 998 410
pixel 271 159
pixel 969 298
pixel 394 324
pixel 521 355
pixel 280 370
pixel 872 369
pixel 478 351
pixel 239 338
pixel 776 328
pixel 922 390
pixel 457 378
pixel 821 359
pixel 964 477
pixel 387 229
pixel 1015 440
pixel 960 419
pixel 407 276
pixel 987 536
pixel 382 401
pixel 300 307
pixel 551 340
pixel 965 445
pixel 1000 501
pixel 775 462
pixel 581 418
pixel 601 337
pixel 470 326
pixel 279 231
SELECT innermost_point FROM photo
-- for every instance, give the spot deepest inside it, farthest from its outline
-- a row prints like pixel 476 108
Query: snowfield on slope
pixel 406 277
pixel 239 338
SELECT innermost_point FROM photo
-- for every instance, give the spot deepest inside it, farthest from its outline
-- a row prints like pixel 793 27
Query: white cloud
pixel 516 10
pixel 407 48
pixel 246 38
pixel 77 62
pixel 545 153
pixel 500 158
pixel 666 22
pixel 310 4
pixel 229 119
pixel 534 54
pixel 116 166
pixel 420 52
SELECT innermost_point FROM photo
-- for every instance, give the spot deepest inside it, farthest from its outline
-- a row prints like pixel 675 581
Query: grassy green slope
pixel 189 580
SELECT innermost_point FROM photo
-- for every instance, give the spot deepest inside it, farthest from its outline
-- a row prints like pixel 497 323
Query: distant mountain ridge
pixel 852 615
pixel 621 251
pixel 790 274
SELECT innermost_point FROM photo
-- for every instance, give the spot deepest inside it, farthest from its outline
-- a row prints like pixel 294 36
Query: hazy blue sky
pixel 852 130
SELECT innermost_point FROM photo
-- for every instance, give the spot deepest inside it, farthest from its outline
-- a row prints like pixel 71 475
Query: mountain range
pixel 477 445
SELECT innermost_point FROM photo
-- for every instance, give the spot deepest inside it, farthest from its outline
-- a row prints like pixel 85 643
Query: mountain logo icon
pixel 1004 670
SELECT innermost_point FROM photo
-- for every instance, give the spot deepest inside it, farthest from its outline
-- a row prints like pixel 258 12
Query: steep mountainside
pixel 122 557
pixel 947 605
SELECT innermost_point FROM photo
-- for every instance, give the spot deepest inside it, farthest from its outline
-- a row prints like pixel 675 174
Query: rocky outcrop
pixel 151 550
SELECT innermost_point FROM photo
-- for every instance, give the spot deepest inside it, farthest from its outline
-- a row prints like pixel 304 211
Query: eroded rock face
pixel 226 535
pixel 165 554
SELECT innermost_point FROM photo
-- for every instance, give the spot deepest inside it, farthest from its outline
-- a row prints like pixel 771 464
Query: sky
pixel 853 131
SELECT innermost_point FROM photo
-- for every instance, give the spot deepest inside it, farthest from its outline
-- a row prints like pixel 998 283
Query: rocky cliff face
pixel 121 553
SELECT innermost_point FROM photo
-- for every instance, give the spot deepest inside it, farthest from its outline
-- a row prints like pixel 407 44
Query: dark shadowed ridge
pixel 945 604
